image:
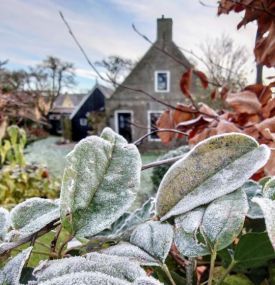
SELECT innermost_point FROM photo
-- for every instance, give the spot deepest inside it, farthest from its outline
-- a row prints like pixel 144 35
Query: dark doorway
pixel 124 127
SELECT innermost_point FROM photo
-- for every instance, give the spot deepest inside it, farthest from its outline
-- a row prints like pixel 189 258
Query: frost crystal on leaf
pixel 253 189
pixel 117 267
pixel 100 183
pixel 32 215
pixel 125 249
pixel 268 208
pixel 269 189
pixel 4 222
pixel 11 273
pixel 215 167
pixel 154 237
pixel 85 278
pixel 214 226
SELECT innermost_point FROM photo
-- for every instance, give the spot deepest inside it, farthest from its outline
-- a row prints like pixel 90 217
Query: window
pixel 54 117
pixel 152 120
pixel 162 81
pixel 83 122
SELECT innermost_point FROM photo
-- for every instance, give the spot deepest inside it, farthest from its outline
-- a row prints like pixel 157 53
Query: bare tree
pixel 51 77
pixel 116 67
pixel 226 63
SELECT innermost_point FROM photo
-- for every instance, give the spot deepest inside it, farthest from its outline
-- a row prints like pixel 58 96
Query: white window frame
pixel 149 125
pixel 168 81
pixel 83 123
pixel 116 118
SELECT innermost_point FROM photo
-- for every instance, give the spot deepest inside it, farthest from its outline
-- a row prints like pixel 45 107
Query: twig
pixel 138 141
pixel 54 241
pixel 63 245
pixel 161 162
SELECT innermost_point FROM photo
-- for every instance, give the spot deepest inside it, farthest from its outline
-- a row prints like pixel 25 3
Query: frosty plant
pixel 198 216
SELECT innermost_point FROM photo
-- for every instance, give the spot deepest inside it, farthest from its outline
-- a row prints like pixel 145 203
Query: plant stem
pixel 212 266
pixel 63 245
pixel 190 268
pixel 229 268
pixel 167 272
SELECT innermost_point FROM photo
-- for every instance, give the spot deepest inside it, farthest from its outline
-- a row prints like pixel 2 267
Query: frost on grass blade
pixel 11 273
pixel 215 167
pixel 4 222
pixel 125 249
pixel 215 226
pixel 117 267
pixel 86 278
pixel 32 215
pixel 154 237
pixel 253 189
pixel 268 208
pixel 100 183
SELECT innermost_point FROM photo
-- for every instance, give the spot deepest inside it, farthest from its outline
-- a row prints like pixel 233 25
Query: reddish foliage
pixel 263 12
pixel 185 82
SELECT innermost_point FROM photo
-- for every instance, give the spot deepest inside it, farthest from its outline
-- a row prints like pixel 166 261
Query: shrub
pixel 204 213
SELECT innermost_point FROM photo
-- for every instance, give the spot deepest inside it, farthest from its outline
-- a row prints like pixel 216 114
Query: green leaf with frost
pixel 268 208
pixel 118 267
pixel 125 249
pixel 129 220
pixel 253 189
pixel 31 216
pixel 147 281
pixel 213 227
pixel 86 278
pixel 213 168
pixel 4 222
pixel 154 237
pixel 99 184
pixel 11 273
pixel 269 189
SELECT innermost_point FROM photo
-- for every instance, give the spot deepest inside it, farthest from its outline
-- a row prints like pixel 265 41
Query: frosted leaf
pixel 268 208
pixel 100 183
pixel 117 267
pixel 147 281
pixel 86 278
pixel 125 249
pixel 269 189
pixel 215 226
pixel 154 237
pixel 224 218
pixel 32 215
pixel 253 189
pixel 11 272
pixel 4 222
pixel 128 220
pixel 186 234
pixel 213 168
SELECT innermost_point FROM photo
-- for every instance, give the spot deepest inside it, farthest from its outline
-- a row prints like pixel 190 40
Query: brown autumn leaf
pixel 263 92
pixel 269 109
pixel 266 127
pixel 204 134
pixel 214 94
pixel 244 102
pixel 227 127
pixel 165 121
pixel 182 114
pixel 265 48
pixel 185 82
pixel 203 78
pixel 208 113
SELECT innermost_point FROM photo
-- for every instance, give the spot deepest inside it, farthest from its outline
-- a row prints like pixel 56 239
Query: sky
pixel 30 30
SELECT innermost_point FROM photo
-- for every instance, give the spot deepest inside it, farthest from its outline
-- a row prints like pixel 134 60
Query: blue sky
pixel 30 30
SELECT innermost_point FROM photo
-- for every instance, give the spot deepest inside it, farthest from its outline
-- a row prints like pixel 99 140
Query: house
pixel 70 112
pixel 133 114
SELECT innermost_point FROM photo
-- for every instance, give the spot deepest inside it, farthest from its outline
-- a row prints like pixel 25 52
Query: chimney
pixel 164 29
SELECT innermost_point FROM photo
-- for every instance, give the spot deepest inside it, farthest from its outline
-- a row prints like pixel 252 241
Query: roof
pixel 107 92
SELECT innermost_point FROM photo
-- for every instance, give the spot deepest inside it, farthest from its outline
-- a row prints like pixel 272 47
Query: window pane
pixel 162 81
pixel 153 120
